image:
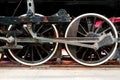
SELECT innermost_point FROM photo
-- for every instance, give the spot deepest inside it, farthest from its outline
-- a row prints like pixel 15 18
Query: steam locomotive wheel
pixel 34 53
pixel 2 43
pixel 91 25
pixel 1 56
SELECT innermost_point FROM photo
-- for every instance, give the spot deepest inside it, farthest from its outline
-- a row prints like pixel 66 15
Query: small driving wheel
pixel 91 25
pixel 34 53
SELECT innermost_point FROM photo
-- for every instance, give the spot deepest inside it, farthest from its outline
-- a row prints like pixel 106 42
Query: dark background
pixel 108 8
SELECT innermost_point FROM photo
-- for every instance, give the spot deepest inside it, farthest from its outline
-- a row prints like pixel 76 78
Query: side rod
pixel 89 42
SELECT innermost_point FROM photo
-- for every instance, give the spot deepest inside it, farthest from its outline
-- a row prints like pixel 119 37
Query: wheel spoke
pixel 38 52
pixel 84 54
pixel 46 30
pixel 39 28
pixel 81 33
pixel 26 52
pixel 44 50
pixel 18 52
pixel 83 28
pixel 79 49
pixel 97 54
pixel 32 54
pixel 88 24
pixel 93 27
pixel 105 30
pixel 91 56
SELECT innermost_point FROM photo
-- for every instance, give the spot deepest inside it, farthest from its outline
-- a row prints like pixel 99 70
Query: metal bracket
pixel 11 47
pixel 30 31
pixel 9 39
pixel 30 8
pixel 106 39
pixel 60 16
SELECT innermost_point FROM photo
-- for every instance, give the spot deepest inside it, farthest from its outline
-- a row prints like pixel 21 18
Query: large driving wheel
pixel 91 25
pixel 2 43
pixel 34 53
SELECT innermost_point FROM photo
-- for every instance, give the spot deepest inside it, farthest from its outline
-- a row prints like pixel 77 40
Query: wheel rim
pixel 35 54
pixel 88 27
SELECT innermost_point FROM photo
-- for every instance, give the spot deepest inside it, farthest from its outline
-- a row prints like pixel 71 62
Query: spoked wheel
pixel 2 43
pixel 91 25
pixel 34 53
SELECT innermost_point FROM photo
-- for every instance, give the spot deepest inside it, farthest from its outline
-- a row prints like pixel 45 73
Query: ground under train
pixel 32 39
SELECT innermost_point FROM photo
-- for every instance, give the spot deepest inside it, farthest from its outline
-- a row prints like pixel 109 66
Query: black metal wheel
pixel 91 25
pixel 1 56
pixel 2 43
pixel 34 53
pixel 117 55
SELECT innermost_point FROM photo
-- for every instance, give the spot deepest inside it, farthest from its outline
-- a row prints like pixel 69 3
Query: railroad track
pixel 65 64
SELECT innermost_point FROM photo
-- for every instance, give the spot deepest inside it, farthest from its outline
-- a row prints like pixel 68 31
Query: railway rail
pixel 65 64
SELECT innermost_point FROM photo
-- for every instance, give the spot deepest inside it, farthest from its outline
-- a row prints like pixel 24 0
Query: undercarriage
pixel 32 39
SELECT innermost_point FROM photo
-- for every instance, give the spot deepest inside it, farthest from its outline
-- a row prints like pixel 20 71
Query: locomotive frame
pixel 32 39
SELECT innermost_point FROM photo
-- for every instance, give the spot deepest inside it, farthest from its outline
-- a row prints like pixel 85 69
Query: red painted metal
pixel 112 19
